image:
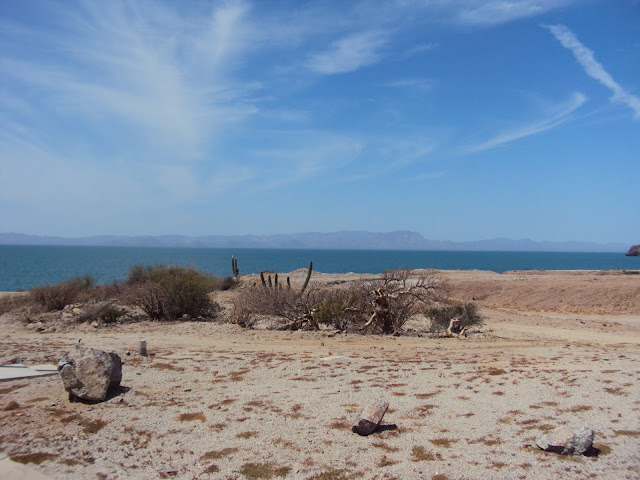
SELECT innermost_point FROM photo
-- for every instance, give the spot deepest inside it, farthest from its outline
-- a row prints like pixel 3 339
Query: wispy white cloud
pixel 161 76
pixel 386 155
pixel 480 12
pixel 560 115
pixel 420 84
pixel 419 49
pixel 427 176
pixel 593 68
pixel 349 54
pixel 302 154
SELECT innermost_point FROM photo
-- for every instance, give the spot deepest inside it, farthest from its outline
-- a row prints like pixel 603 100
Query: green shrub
pixel 166 293
pixel 106 313
pixel 334 310
pixel 109 313
pixel 441 316
pixel 59 295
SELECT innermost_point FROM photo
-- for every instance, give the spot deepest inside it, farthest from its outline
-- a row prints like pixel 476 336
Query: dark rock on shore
pixel 634 251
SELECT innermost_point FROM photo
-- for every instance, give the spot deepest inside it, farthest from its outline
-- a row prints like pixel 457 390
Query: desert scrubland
pixel 214 400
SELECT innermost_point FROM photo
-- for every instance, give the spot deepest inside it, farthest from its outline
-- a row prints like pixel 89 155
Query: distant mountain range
pixel 350 240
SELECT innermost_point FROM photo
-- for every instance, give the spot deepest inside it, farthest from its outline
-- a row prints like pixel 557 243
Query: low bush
pixel 168 293
pixel 379 305
pixel 283 307
pixel 341 310
pixel 441 316
pixel 59 295
pixel 106 313
pixel 226 283
pixel 10 302
pixel 383 304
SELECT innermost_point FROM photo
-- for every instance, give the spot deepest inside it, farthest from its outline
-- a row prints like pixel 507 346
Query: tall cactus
pixel 306 282
pixel 269 286
pixel 234 266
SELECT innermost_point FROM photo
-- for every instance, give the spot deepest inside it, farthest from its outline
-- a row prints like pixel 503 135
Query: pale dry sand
pixel 214 401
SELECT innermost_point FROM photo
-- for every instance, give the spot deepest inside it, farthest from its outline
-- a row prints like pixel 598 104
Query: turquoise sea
pixel 22 267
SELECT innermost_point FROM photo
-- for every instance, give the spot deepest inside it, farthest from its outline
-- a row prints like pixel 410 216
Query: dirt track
pixel 214 401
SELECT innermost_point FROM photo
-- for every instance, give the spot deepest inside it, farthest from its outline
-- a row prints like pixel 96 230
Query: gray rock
pixel 567 442
pixel 88 373
pixel 370 417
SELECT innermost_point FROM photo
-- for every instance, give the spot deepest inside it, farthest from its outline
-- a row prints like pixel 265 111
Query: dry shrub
pixel 9 303
pixel 168 293
pixel 284 307
pixel 343 309
pixel 59 295
pixel 441 315
pixel 379 305
pixel 103 312
pixel 383 304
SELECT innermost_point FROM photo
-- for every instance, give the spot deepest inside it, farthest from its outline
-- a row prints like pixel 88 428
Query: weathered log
pixel 370 417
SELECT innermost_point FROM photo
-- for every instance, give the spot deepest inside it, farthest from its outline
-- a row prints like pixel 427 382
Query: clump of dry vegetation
pixel 162 293
pixel 383 304
pixel 59 295
pixel 441 315
pixel 169 293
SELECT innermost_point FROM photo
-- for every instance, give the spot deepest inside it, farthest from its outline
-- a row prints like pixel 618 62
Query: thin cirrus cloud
pixel 480 12
pixel 593 68
pixel 349 53
pixel 562 113
pixel 420 84
pixel 137 71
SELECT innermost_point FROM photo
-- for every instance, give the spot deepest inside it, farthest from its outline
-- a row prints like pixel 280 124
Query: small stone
pixel 567 442
pixel 370 417
pixel 12 405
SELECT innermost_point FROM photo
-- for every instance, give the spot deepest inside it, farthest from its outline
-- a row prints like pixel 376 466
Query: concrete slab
pixel 16 372
pixel 10 470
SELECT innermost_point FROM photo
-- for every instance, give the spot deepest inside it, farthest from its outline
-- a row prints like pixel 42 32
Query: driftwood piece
pixel 455 330
pixel 306 321
pixel 370 417
pixel 381 311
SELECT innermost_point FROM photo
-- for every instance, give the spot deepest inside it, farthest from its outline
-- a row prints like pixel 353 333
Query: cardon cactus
pixel 306 282
pixel 234 266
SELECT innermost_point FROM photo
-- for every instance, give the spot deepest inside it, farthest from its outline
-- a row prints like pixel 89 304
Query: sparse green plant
pixel 335 310
pixel 442 315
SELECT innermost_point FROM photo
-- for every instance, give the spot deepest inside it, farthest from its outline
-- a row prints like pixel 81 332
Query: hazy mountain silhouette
pixel 400 240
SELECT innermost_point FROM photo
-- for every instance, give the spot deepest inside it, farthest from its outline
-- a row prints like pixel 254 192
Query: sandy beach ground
pixel 215 401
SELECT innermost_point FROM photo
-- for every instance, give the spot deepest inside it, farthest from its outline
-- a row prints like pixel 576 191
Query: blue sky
pixel 461 120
